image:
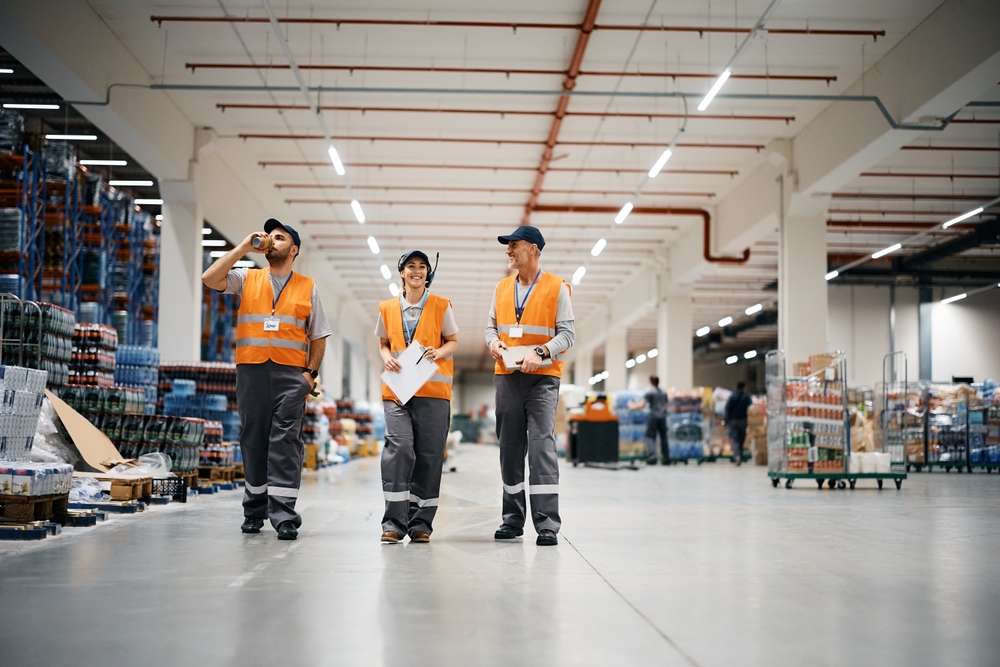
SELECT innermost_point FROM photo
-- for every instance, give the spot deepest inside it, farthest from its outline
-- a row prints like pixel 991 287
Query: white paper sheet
pixel 417 370
pixel 512 355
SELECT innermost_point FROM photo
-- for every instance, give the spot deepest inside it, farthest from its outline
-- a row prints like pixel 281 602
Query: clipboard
pixel 514 354
pixel 417 370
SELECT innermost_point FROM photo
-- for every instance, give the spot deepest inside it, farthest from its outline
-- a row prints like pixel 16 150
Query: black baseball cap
pixel 524 233
pixel 272 223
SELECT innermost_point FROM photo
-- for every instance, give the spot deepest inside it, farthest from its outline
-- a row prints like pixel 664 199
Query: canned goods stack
pixel 22 391
pixel 11 230
pixel 94 347
pixel 215 452
pixel 114 410
pixel 53 332
pixel 35 479
pixel 137 366
pixel 58 161
pixel 213 397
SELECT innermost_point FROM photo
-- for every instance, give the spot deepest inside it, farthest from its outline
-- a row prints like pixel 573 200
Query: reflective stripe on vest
pixel 538 321
pixel 289 345
pixel 428 334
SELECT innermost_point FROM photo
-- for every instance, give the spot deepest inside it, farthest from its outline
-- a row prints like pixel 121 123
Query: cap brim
pixel 271 224
pixel 505 239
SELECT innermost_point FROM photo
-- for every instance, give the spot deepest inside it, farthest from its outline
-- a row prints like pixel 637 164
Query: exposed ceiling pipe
pixel 160 20
pixel 483 167
pixel 983 149
pixel 500 112
pixel 582 38
pixel 909 197
pixel 438 188
pixel 871 174
pixel 507 71
pixel 884 224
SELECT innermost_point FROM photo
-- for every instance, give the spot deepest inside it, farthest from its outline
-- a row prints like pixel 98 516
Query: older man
pixel 530 308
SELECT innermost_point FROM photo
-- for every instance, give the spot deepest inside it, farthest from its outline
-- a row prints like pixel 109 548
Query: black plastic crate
pixel 171 487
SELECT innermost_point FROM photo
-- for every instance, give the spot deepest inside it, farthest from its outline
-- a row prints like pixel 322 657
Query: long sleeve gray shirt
pixel 565 327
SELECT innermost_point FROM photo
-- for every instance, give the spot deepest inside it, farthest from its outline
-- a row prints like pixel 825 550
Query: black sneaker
pixel 546 538
pixel 505 532
pixel 252 524
pixel 287 531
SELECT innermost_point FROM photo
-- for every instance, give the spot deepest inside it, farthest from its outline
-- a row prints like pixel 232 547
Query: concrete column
pixel 802 287
pixel 615 355
pixel 583 366
pixel 180 272
pixel 675 364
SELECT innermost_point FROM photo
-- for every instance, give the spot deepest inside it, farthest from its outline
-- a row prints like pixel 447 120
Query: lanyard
pixel 518 304
pixel 406 327
pixel 280 292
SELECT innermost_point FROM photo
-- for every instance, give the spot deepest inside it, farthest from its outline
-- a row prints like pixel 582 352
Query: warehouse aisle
pixel 701 566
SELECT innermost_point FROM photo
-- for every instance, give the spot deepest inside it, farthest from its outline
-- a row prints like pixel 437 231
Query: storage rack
pixel 61 240
pixel 941 433
pixel 218 338
pixel 808 422
pixel 26 192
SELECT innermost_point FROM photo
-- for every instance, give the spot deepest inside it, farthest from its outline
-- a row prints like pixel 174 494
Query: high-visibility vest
pixel 538 319
pixel 428 334
pixel 289 345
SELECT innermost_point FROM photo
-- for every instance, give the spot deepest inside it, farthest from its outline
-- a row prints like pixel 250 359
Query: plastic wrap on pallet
pixel 11 230
pixel 35 479
pixel 11 131
pixel 58 160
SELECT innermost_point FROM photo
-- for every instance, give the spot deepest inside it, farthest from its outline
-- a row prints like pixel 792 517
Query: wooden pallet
pixel 311 460
pixel 33 508
pixel 216 473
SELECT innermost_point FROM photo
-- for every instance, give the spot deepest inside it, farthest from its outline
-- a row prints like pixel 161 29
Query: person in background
pixel 656 399
pixel 736 419
pixel 415 433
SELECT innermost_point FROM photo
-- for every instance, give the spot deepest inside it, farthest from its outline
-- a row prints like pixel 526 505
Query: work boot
pixel 506 532
pixel 546 538
pixel 390 537
pixel 252 524
pixel 287 531
pixel 420 536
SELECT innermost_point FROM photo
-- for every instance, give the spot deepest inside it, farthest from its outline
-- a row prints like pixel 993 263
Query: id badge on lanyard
pixel 271 324
pixel 516 331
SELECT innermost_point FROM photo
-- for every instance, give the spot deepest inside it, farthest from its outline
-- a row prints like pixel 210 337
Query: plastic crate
pixel 171 487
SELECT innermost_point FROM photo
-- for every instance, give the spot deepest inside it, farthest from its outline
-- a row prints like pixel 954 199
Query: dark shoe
pixel 252 524
pixel 420 536
pixel 505 532
pixel 390 537
pixel 287 531
pixel 546 538
pixel 651 461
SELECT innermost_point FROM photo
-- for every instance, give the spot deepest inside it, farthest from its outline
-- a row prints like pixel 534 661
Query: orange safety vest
pixel 538 318
pixel 428 334
pixel 289 345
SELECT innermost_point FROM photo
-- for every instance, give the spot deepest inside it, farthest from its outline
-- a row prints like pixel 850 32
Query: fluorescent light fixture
pixel 756 308
pixel 12 105
pixel 579 274
pixel 132 183
pixel 652 354
pixel 964 216
pixel 659 163
pixel 358 213
pixel 385 272
pixel 6 70
pixel 72 137
pixel 373 244
pixel 641 358
pixel 215 254
pixel 833 274
pixel 104 163
pixel 149 202
pixel 885 251
pixel 732 360
pixel 159 216
pixel 205 231
pixel 750 354
pixel 703 331
pixel 714 90
pixel 604 375
pixel 394 289
pixel 630 363
pixel 213 243
pixel 622 214
pixel 725 321
pixel 338 166
pixel 598 247
pixel 957 297
pixel 244 264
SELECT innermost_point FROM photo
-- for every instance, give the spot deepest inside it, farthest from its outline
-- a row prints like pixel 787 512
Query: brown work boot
pixel 420 536
pixel 390 537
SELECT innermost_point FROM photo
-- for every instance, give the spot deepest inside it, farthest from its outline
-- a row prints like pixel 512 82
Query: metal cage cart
pixel 808 428
pixel 946 429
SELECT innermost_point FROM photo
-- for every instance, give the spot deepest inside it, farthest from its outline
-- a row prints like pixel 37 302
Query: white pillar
pixel 674 322
pixel 583 366
pixel 615 354
pixel 180 273
pixel 802 287
pixel 375 368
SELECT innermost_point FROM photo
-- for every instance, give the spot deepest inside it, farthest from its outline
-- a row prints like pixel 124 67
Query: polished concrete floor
pixel 701 566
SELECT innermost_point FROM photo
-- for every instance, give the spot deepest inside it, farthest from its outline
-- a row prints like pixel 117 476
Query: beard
pixel 275 256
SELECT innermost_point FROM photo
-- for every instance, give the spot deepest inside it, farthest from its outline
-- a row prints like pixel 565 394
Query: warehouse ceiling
pixel 488 142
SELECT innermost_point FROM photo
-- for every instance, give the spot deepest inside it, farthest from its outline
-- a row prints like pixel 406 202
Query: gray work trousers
pixel 271 399
pixel 415 437
pixel 526 415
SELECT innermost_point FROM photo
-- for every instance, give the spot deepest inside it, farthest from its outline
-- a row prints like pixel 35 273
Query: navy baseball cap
pixel 524 233
pixel 272 223
pixel 410 255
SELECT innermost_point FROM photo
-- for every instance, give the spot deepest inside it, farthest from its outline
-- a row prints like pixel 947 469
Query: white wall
pixel 473 390
pixel 966 336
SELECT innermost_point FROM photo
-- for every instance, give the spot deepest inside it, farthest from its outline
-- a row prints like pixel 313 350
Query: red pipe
pixel 465 167
pixel 437 188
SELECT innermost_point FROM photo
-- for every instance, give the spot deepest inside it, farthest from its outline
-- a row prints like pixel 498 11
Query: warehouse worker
pixel 530 308
pixel 415 432
pixel 281 332
pixel 656 399
pixel 736 419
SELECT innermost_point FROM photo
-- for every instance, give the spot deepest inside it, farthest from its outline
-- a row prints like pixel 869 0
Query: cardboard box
pixel 97 452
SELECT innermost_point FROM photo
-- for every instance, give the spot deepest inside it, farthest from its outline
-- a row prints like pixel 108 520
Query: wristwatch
pixel 540 351
pixel 313 373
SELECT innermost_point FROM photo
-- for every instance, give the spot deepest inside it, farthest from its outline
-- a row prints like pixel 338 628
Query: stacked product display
pixel 214 452
pixel 631 425
pixel 815 418
pixel 685 424
pixel 138 366
pixel 209 378
pixel 40 336
pixel 94 347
